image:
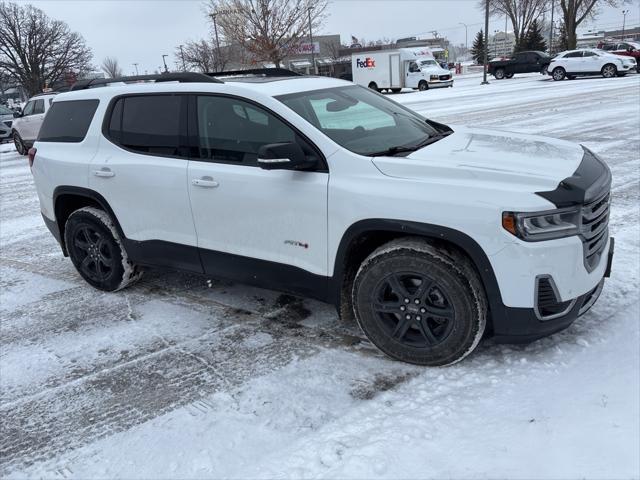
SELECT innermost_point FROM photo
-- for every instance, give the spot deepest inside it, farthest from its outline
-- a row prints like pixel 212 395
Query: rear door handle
pixel 104 173
pixel 205 182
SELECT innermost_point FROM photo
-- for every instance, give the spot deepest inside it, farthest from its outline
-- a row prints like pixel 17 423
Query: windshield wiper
pixel 390 152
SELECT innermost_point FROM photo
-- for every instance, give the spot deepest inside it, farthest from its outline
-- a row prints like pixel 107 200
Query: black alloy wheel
pixel 94 253
pixel 413 309
pixel 419 303
pixel 96 250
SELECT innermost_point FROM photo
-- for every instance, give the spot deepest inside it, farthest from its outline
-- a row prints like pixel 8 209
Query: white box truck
pixel 399 68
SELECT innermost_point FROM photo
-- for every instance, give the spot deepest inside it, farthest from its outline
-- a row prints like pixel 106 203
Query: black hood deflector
pixel 589 182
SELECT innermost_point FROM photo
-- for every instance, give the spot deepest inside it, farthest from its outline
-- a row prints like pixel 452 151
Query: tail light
pixel 32 156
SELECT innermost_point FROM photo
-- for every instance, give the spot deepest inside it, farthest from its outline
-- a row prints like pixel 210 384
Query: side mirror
pixel 283 156
pixel 17 114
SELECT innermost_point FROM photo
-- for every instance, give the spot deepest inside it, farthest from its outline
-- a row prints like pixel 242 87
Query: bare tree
pixel 111 67
pixel 203 56
pixel 575 12
pixel 37 50
pixel 270 30
pixel 521 13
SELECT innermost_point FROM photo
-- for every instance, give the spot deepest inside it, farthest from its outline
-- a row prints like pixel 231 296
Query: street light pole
pixel 166 70
pixel 313 57
pixel 136 65
pixel 215 30
pixel 486 42
pixel 624 22
pixel 466 36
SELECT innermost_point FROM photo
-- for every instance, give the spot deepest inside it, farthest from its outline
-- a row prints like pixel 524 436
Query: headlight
pixel 434 77
pixel 537 226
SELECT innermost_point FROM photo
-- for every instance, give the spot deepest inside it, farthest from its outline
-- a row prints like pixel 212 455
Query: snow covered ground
pixel 177 379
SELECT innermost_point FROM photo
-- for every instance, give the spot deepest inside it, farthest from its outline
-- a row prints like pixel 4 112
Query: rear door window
pixel 151 124
pixel 38 106
pixel 68 121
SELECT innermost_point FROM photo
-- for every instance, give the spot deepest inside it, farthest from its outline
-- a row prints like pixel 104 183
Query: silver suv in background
pixel 26 125
pixel 6 119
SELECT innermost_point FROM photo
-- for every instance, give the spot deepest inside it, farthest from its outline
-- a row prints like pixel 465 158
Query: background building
pixel 326 55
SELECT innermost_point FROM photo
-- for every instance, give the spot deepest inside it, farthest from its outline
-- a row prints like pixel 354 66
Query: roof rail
pixel 181 77
pixel 45 93
pixel 256 72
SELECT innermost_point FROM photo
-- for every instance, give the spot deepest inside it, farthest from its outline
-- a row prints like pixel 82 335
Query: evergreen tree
pixel 561 42
pixel 533 39
pixel 478 48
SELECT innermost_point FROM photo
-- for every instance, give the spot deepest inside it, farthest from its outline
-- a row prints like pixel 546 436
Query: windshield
pixel 5 111
pixel 428 63
pixel 360 120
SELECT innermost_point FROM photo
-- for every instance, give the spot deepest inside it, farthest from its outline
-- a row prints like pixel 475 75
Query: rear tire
pixel 509 75
pixel 96 251
pixel 609 70
pixel 21 148
pixel 423 85
pixel 374 86
pixel 499 74
pixel 558 74
pixel 420 304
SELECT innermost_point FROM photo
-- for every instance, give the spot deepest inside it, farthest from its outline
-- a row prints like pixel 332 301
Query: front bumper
pixel 440 83
pixel 523 325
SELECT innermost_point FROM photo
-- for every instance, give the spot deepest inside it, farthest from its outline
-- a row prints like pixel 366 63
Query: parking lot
pixel 182 376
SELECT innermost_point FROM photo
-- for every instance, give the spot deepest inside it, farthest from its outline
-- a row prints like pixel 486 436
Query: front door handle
pixel 104 173
pixel 204 182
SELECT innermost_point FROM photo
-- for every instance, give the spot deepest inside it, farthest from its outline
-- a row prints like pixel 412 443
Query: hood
pixel 515 160
pixel 435 69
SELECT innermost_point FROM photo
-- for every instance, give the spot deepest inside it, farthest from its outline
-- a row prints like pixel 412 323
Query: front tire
pixel 609 70
pixel 420 304
pixel 374 86
pixel 509 75
pixel 499 74
pixel 423 86
pixel 96 251
pixel 558 74
pixel 21 148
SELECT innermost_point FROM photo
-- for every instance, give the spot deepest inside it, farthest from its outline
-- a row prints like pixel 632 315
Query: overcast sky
pixel 142 30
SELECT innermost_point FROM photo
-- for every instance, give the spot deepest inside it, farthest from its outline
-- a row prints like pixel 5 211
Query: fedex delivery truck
pixel 400 68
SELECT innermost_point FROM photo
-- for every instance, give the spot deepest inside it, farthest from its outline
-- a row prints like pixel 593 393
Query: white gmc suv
pixel 430 236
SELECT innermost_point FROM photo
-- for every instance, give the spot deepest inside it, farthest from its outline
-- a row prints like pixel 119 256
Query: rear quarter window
pixel 68 122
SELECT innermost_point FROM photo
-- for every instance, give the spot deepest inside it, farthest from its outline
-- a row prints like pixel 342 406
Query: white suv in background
pixel 430 236
pixel 26 126
pixel 573 63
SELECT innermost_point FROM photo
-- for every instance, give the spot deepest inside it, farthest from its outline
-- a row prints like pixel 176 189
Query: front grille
pixel 445 77
pixel 595 230
pixel 548 305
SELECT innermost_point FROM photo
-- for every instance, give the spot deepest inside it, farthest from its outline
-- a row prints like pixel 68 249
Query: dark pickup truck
pixel 522 62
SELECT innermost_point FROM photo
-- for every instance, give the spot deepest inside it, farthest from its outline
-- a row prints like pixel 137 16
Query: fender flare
pixel 461 240
pixel 87 193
